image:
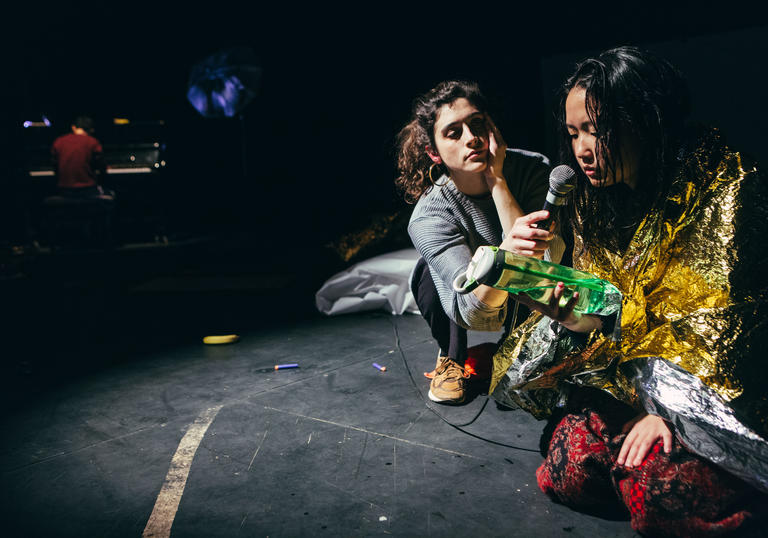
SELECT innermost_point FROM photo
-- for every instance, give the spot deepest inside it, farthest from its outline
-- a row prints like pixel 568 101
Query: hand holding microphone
pixel 525 238
pixel 531 233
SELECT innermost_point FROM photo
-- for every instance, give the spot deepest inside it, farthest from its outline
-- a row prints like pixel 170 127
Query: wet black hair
pixel 637 102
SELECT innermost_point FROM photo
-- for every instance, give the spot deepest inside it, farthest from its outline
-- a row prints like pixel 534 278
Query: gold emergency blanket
pixel 693 280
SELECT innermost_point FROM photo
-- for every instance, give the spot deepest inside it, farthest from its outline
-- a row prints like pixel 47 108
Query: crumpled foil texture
pixel 694 296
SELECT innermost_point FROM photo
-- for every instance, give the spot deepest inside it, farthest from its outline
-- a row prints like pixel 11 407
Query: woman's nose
pixel 473 139
pixel 583 150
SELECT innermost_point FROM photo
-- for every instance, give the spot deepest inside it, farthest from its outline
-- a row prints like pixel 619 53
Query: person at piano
pixel 78 161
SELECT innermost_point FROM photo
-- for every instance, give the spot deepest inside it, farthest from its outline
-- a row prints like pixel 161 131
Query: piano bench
pixel 77 222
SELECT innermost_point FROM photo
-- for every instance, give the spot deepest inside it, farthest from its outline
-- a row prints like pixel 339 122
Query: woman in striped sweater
pixel 470 190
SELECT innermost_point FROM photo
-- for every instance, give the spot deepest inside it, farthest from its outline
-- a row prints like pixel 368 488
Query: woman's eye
pixel 479 127
pixel 453 133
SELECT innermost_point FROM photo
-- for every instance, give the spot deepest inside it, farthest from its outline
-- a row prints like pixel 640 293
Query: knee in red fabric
pixel 679 494
pixel 576 469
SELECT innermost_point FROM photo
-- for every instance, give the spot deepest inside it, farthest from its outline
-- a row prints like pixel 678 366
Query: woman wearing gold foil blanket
pixel 657 408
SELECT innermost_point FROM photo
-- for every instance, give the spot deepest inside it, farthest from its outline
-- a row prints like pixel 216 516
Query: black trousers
pixel 451 337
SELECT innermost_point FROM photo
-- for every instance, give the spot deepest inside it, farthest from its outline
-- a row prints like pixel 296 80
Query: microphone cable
pixel 459 427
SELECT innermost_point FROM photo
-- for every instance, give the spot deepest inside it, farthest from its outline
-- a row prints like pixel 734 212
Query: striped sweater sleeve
pixel 444 248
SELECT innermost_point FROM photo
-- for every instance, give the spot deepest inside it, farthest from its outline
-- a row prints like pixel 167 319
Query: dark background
pixel 337 85
pixel 318 140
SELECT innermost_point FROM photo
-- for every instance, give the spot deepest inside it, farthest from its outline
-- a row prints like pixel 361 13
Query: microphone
pixel 562 179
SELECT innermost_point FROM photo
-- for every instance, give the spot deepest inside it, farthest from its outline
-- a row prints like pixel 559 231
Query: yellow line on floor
pixel 167 503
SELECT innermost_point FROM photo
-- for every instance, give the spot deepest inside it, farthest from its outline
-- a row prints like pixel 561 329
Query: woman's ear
pixel 435 156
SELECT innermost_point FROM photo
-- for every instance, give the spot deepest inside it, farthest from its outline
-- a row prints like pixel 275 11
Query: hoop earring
pixel 431 179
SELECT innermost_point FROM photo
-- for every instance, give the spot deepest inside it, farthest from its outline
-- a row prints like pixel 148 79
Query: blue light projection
pixel 224 83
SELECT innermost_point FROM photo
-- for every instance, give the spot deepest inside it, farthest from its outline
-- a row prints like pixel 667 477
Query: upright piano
pixel 129 148
pixel 135 155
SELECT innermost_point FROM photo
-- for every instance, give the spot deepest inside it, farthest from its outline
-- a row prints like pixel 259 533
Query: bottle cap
pixel 481 264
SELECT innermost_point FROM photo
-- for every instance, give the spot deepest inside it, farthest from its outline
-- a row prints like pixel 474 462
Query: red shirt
pixel 76 159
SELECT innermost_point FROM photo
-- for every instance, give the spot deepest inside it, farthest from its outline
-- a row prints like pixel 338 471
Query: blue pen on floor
pixel 380 367
pixel 282 366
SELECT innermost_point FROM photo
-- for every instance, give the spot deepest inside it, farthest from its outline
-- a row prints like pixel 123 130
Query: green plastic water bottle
pixel 504 270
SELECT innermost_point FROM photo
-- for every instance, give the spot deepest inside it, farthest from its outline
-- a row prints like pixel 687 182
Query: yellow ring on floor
pixel 221 339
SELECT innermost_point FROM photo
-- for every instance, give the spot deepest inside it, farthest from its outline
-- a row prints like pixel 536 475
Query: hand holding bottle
pixel 581 323
pixel 562 293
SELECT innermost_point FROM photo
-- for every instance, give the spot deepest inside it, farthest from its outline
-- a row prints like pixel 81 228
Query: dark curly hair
pixel 412 160
pixel 634 99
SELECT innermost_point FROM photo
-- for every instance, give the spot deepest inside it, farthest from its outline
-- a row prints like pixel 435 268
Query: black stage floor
pixel 201 440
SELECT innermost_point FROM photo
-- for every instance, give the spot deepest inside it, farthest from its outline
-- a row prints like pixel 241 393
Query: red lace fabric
pixel 676 494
